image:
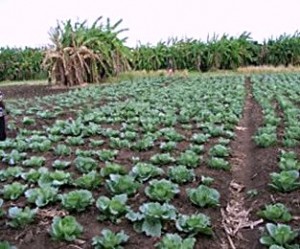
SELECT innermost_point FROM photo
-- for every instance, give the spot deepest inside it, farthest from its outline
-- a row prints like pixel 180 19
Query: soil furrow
pixel 245 174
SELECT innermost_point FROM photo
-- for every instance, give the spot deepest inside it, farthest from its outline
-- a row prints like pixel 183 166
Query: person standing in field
pixel 170 67
pixel 2 118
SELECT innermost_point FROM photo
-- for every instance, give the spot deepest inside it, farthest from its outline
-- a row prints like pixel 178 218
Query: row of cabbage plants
pixel 69 153
pixel 279 97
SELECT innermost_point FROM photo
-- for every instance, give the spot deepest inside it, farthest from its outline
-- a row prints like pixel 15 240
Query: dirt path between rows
pixel 236 217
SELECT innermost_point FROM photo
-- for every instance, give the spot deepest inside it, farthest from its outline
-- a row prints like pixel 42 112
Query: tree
pixel 85 54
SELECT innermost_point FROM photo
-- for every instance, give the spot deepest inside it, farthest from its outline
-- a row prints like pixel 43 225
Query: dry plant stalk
pixel 235 217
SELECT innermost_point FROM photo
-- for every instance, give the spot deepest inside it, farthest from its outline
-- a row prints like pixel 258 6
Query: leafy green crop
pixel 181 174
pixel 223 141
pixel 107 155
pixel 151 217
pixel 62 150
pixel 174 241
pixel 200 138
pixel 216 130
pixel 196 223
pixel 77 200
pixel 14 172
pixel 34 175
pixel 73 128
pixel 162 159
pixel 96 143
pixel 20 217
pixel 143 144
pixel 276 212
pixel 110 240
pixel 47 114
pixel 285 181
pixel 167 146
pixel 129 135
pixel 90 181
pixel 144 171
pixel 2 212
pixel 56 178
pixel 172 135
pixel 13 191
pixel 6 245
pixel 199 149
pixel 266 138
pixel 13 157
pixel 206 180
pixel 218 163
pixel 112 209
pixel 118 184
pixel 112 168
pixel 58 164
pixel 11 172
pixel 189 158
pixel 84 153
pixel 288 161
pixel 280 235
pixel 41 196
pixel 219 150
pixel 118 143
pixel 21 145
pixel 203 196
pixel 40 146
pixel 161 190
pixel 34 161
pixel 28 121
pixel 75 141
pixel 85 164
pixel 66 228
pixel 142 118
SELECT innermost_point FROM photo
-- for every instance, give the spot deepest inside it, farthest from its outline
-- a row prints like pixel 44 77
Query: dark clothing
pixel 2 129
pixel 2 122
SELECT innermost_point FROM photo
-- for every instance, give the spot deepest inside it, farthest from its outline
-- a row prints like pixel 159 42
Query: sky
pixel 27 22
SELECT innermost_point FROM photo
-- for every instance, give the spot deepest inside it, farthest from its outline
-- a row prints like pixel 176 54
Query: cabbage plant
pixel 122 184
pixel 174 241
pixel 66 228
pixel 41 196
pixel 151 217
pixel 144 171
pixel 276 212
pixel 279 235
pixel 112 209
pixel 204 196
pixel 194 224
pixel 181 174
pixel 19 217
pixel 77 200
pixel 161 190
pixel 110 240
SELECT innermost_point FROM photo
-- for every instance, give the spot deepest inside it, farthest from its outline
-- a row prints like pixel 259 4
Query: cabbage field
pixel 168 163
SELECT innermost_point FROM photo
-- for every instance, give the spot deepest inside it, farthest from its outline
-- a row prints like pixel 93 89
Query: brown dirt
pixel 29 91
pixel 251 168
pixel 245 165
pixel 36 236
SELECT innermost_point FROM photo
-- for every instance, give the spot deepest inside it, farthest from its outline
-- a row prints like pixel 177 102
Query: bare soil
pixel 29 91
pixel 251 167
pixel 36 236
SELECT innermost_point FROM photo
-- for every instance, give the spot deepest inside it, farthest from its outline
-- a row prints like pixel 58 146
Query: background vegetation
pixel 82 53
